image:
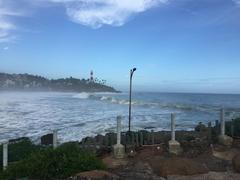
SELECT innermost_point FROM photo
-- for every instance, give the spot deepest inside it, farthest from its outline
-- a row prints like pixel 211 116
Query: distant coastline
pixel 28 82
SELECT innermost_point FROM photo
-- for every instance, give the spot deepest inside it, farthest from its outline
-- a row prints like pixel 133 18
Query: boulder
pixel 95 175
pixel 200 127
pixel 138 171
pixel 47 139
pixel 177 166
pixel 19 140
pixel 208 176
pixel 236 163
pixel 99 139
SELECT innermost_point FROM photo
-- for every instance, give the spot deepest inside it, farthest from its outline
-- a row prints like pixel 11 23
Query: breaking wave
pixel 82 95
pixel 106 97
pixel 77 115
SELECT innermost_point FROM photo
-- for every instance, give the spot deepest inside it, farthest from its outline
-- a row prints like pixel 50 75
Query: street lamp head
pixel 134 69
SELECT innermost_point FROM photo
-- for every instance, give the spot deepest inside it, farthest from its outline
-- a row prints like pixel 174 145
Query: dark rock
pixel 236 163
pixel 195 147
pixel 236 143
pixel 102 151
pixel 47 139
pixel 95 175
pixel 138 171
pixel 99 139
pixel 200 127
pixel 19 140
pixel 177 166
pixel 112 138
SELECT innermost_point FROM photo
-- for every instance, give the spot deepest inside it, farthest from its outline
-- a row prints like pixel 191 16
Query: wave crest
pixel 82 95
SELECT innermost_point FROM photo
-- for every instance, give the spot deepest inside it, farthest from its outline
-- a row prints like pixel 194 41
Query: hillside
pixel 27 82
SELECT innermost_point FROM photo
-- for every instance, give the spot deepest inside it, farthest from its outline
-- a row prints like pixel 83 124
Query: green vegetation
pixel 47 163
pixel 29 82
pixel 19 150
pixel 233 127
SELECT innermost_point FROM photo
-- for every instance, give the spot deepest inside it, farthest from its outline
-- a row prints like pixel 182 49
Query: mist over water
pixel 76 115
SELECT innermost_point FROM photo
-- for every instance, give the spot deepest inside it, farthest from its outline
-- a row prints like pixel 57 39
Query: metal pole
pixel 130 102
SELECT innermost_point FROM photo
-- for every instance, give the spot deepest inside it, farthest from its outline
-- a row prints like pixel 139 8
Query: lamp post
pixel 130 99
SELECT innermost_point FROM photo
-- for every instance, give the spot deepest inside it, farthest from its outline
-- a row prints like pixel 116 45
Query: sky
pixel 176 45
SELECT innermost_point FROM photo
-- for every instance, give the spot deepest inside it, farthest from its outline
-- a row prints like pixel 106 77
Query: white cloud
pixel 96 13
pixel 6 48
pixel 237 2
pixel 7 11
pixel 93 13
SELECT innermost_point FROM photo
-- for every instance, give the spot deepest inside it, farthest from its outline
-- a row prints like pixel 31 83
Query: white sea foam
pixel 82 95
pixel 87 114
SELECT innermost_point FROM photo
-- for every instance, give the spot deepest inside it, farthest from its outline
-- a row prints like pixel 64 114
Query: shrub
pixel 48 163
pixel 228 129
pixel 19 150
pixel 236 129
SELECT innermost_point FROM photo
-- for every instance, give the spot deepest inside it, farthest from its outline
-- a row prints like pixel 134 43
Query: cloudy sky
pixel 176 45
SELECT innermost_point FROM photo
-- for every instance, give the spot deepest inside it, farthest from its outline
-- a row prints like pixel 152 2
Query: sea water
pixel 77 115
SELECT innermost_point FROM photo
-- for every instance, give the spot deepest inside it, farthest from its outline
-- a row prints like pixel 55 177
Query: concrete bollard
pixel 222 122
pixel 174 146
pixel 118 149
pixel 55 139
pixel 224 139
pixel 5 155
pixel 173 127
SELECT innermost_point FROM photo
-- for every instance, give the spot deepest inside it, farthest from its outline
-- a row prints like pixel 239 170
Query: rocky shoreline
pixel 202 158
pixel 147 155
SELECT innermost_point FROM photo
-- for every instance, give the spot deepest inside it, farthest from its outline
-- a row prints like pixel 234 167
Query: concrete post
pixel 174 146
pixel 224 139
pixel 55 140
pixel 118 149
pixel 119 130
pixel 5 155
pixel 222 122
pixel 173 127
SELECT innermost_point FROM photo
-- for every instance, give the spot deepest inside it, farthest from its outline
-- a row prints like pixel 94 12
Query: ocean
pixel 77 115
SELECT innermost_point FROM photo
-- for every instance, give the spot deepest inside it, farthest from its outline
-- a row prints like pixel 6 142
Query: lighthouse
pixel 91 76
